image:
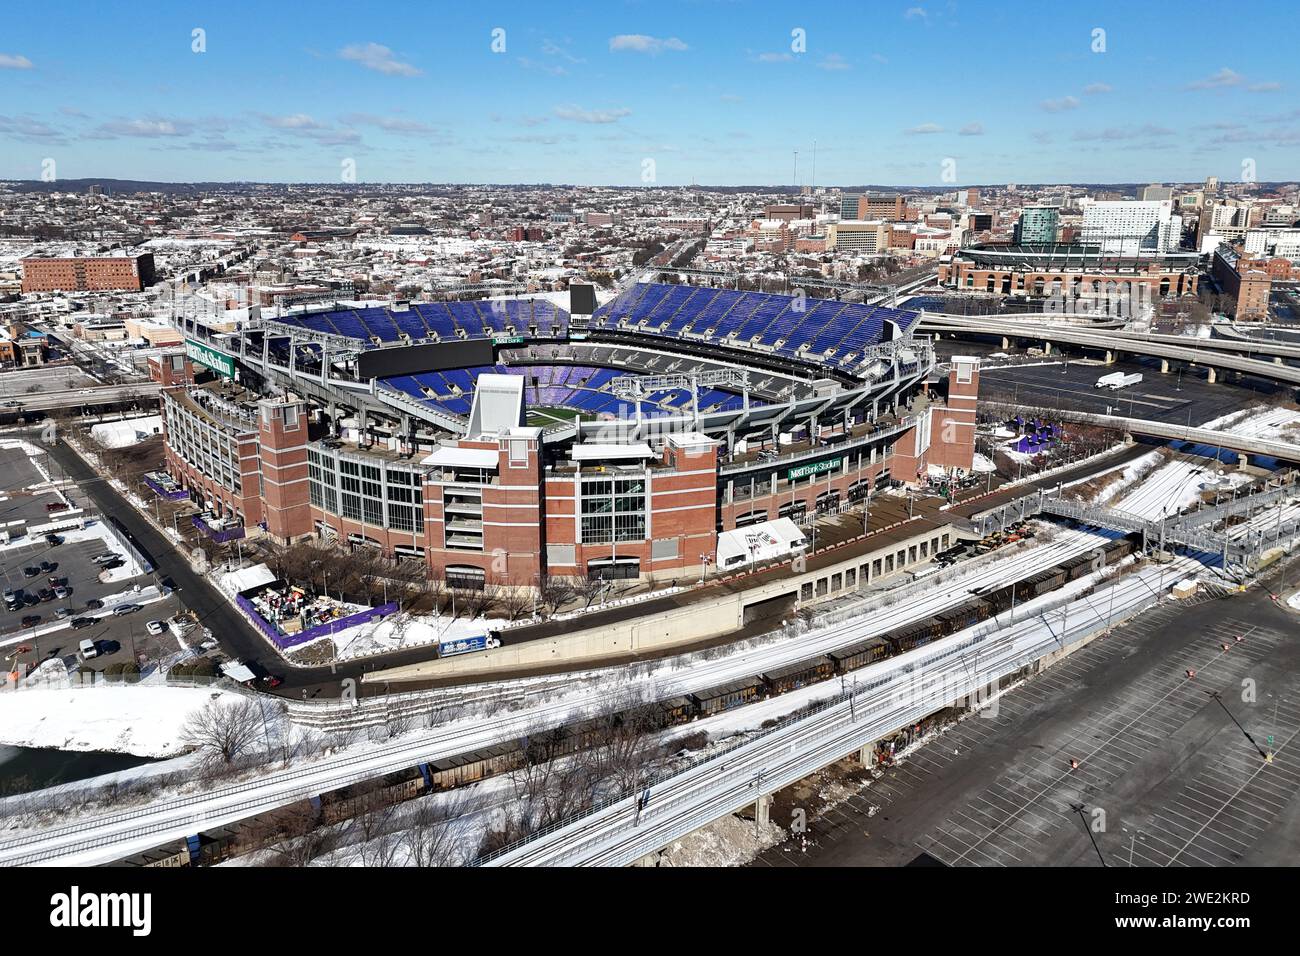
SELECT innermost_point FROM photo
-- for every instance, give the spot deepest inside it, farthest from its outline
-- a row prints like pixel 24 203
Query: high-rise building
pixel 88 273
pixel 1037 225
pixel 1129 228
pixel 849 205
pixel 1157 193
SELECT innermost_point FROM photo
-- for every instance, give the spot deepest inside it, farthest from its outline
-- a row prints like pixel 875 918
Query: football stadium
pixel 506 439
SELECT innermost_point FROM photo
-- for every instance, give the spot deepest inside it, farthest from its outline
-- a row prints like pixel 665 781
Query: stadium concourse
pixel 501 440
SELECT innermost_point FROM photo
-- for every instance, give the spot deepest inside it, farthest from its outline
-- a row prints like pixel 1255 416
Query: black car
pixel 94 604
pixel 31 620
pixel 31 600
pixel 53 540
pixel 30 572
pixel 79 622
pixel 48 568
pixel 45 594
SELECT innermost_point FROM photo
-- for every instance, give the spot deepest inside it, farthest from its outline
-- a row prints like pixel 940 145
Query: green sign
pixel 508 339
pixel 816 468
pixel 211 358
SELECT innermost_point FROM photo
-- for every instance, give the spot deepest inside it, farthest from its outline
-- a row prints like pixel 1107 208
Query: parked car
pixel 48 567
pixel 30 572
pixel 105 558
pixel 155 627
pixel 94 604
pixel 61 592
pixel 123 609
pixel 79 622
pixel 46 595
pixel 53 540
pixel 31 620
pixel 87 649
pixel 62 612
pixel 56 506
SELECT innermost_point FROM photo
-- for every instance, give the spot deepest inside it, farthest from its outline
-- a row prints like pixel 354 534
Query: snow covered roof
pixel 450 456
pixel 597 452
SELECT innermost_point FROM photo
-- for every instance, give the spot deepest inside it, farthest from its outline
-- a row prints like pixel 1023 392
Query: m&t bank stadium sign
pixel 211 358
pixel 816 468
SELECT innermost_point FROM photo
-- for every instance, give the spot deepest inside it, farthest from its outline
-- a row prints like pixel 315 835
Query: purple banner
pixel 283 641
pixel 178 495
pixel 221 537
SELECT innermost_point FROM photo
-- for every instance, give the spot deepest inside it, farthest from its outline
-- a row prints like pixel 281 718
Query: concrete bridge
pixel 1212 354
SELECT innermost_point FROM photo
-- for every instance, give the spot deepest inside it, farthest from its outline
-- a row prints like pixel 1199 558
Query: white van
pixel 87 649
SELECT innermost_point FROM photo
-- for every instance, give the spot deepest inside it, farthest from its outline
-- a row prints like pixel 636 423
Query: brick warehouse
pixel 554 444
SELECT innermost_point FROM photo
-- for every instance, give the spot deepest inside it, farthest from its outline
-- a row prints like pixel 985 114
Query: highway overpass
pixel 1044 324
pixel 142 392
pixel 1113 343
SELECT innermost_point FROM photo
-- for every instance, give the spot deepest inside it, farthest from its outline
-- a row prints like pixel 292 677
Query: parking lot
pixel 33 569
pixel 1166 774
pixel 1176 398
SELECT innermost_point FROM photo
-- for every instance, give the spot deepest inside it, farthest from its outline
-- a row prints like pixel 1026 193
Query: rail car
pixel 718 699
pixel 860 655
pixel 798 675
pixel 337 805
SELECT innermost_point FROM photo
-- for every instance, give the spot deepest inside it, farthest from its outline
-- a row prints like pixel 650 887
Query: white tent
pixel 759 542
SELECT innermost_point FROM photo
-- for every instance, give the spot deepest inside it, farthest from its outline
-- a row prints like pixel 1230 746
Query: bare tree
pixel 588 589
pixel 554 591
pixel 430 837
pixel 515 600
pixel 223 731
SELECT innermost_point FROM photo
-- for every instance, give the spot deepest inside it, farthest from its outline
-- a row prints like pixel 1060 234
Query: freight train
pixel 223 843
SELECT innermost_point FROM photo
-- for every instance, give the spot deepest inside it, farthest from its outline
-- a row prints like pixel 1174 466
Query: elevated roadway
pixel 1214 354
pixel 81 397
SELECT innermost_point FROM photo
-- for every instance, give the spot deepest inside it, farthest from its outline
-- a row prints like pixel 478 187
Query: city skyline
pixel 906 94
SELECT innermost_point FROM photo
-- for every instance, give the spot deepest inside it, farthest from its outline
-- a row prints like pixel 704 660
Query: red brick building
pixel 88 273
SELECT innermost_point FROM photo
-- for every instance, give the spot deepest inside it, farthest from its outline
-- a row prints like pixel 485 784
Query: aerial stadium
pixel 502 440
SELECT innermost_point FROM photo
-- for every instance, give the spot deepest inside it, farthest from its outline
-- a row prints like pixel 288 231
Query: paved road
pixel 1178 782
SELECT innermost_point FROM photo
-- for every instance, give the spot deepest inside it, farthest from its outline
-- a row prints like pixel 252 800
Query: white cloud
pixel 1094 88
pixel 915 13
pixel 774 57
pixel 15 61
pixel 971 129
pixel 640 43
pixel 1224 77
pixel 1268 87
pixel 833 61
pixel 148 128
pixel 294 121
pixel 923 129
pixel 1060 105
pixel 377 57
pixel 579 115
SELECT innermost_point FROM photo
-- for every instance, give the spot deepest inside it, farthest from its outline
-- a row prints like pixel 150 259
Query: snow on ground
pixel 1293 601
pixel 982 464
pixel 118 718
pixel 1167 490
pixel 405 630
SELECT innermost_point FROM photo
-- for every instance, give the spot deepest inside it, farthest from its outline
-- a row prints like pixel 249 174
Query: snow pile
pixel 729 841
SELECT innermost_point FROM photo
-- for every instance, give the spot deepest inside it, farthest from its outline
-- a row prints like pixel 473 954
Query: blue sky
pixel 708 91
